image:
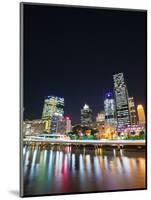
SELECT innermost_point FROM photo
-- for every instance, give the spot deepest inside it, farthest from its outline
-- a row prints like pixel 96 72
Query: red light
pixel 68 117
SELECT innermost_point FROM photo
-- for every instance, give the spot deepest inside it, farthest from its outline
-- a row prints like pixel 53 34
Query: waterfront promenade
pixel 86 142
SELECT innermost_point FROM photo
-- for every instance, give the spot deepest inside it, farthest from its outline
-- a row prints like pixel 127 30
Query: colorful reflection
pixel 70 170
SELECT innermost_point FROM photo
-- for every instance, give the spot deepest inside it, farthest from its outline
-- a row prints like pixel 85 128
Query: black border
pixel 21 194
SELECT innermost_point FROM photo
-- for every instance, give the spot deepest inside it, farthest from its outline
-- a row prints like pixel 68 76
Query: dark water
pixel 67 170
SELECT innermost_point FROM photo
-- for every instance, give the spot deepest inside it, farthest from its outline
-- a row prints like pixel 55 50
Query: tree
pixel 141 133
pixel 76 129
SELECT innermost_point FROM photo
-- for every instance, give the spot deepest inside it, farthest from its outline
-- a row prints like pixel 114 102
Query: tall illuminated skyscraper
pixel 141 115
pixel 52 110
pixel 121 101
pixel 109 110
pixel 86 115
pixel 132 111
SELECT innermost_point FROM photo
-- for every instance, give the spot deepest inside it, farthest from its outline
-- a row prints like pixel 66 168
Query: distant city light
pixel 119 114
pixel 141 114
pixel 86 106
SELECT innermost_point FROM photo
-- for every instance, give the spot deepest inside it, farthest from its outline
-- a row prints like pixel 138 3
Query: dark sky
pixel 74 52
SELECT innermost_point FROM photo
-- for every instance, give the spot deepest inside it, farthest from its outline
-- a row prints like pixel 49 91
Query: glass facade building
pixel 109 110
pixel 52 110
pixel 121 101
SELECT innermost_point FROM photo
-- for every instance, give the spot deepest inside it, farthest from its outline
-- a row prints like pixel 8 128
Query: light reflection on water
pixel 66 170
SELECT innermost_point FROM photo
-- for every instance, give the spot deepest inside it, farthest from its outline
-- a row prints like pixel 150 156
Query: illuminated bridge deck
pixel 87 142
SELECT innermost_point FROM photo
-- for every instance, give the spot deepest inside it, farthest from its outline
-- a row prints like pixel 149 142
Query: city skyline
pixel 108 96
pixel 118 117
pixel 79 65
pixel 84 125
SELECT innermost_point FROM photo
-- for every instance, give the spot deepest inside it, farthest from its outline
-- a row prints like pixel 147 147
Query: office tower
pixel 52 110
pixel 109 110
pixel 86 115
pixel 132 111
pixel 141 115
pixel 121 101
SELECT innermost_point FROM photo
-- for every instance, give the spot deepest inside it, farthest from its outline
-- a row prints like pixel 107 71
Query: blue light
pixel 109 95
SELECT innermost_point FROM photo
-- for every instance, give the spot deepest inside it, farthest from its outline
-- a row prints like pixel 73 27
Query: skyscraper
pixel 109 110
pixel 141 115
pixel 132 111
pixel 86 115
pixel 121 101
pixel 52 110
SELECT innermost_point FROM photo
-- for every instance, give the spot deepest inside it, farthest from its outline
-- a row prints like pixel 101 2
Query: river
pixel 58 170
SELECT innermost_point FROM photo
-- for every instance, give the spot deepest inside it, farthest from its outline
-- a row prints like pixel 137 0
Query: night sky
pixel 74 52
